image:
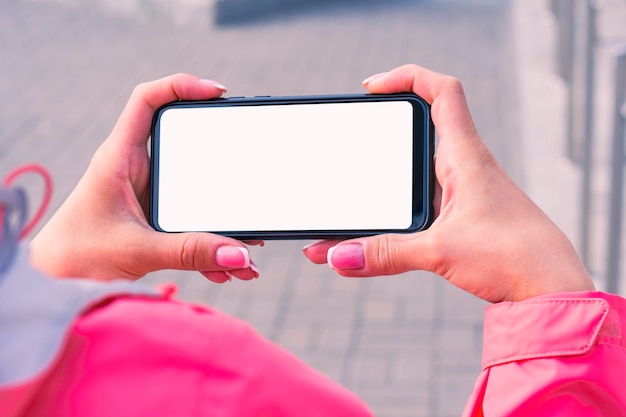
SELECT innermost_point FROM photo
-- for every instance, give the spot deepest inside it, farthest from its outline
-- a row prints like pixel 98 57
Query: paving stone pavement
pixel 408 345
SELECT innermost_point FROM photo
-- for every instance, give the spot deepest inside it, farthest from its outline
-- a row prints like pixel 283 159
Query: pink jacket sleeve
pixel 134 356
pixel 562 354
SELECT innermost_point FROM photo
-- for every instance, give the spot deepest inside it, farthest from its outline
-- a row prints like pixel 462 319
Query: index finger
pixel 449 109
pixel 136 118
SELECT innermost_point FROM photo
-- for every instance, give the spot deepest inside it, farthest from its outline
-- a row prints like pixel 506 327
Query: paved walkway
pixel 409 345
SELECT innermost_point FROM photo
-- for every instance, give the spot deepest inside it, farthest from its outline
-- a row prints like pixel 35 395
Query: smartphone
pixel 303 167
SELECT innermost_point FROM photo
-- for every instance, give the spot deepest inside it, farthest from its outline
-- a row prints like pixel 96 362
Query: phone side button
pixel 262 96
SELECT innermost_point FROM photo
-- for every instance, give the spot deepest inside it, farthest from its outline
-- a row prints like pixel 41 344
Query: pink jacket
pixel 147 354
pixel 559 354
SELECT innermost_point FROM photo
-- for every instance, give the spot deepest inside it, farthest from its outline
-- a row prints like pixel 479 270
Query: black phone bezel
pixel 423 154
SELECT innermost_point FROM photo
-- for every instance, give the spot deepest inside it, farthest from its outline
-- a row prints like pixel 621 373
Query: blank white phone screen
pixel 329 166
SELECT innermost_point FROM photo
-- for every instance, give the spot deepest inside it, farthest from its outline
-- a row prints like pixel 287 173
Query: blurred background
pixel 544 80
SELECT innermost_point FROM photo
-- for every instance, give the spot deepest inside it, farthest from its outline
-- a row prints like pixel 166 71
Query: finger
pixel 146 98
pixel 465 152
pixel 191 251
pixel 317 251
pixel 245 274
pixel 450 112
pixel 386 254
pixel 219 277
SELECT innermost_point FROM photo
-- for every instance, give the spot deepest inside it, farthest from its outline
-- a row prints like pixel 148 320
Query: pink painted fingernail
pixel 214 84
pixel 254 269
pixel 373 77
pixel 346 256
pixel 234 257
pixel 310 245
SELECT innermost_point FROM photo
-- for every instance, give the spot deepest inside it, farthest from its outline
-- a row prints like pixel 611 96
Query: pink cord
pixel 8 181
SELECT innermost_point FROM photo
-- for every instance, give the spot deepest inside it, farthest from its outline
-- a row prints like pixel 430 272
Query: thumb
pixel 193 252
pixel 387 254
